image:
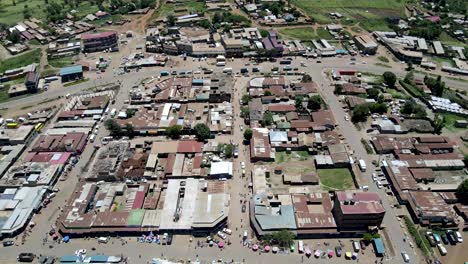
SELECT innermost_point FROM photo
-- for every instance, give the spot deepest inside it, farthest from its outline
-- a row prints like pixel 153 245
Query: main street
pixel 238 221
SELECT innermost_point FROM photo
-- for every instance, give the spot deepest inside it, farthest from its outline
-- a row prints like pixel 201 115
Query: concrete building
pixel 71 73
pixel 366 44
pixel 357 210
pixel 100 41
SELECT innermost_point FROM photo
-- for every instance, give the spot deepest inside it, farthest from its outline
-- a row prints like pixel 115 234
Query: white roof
pixel 221 167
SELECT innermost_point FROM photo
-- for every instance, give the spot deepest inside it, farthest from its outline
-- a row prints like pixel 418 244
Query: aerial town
pixel 233 131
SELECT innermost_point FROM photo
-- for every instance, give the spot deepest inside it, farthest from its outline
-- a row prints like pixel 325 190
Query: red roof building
pixel 281 108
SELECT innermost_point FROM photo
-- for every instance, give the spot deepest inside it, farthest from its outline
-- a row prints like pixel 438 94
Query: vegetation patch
pixel 336 179
pixel 61 62
pixel 76 82
pixel 22 60
pixel 383 59
pixel 419 237
pixel 367 146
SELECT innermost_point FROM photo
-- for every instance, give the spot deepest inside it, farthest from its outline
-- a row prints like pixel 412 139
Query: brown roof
pixel 422 174
pixel 270 81
pixel 281 108
pixel 323 118
pixel 313 211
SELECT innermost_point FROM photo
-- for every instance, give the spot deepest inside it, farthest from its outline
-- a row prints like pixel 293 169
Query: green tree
pixel 205 24
pixel 14 36
pixel 439 123
pixel 267 119
pixel 389 78
pixel 409 78
pixel 202 131
pixel 462 192
pixel 267 93
pixel 246 99
pixel 245 111
pixel 129 129
pixel 315 103
pixel 264 33
pixel 171 20
pixel 360 113
pixel 248 133
pixel 130 112
pixel 228 150
pixel 338 89
pixel 284 238
pixel 373 93
pixel 306 78
pixel 113 127
pixel 367 237
pixel 174 131
pixel 380 108
pixel 298 103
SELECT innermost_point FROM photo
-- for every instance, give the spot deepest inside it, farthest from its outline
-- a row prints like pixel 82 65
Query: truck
pixel 300 246
pixel 362 165
pixel 356 246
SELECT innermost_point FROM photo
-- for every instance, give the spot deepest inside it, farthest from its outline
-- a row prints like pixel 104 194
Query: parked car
pixel 338 251
pixel 8 243
pixel 221 235
pixel 169 239
pixel 244 208
pixel 405 257
pixel 242 165
pixel 444 239
pixel 26 257
pixel 227 231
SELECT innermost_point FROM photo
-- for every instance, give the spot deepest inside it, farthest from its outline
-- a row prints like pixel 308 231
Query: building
pixel 355 210
pixel 32 79
pixel 221 169
pixel 366 44
pixel 71 73
pixel 100 41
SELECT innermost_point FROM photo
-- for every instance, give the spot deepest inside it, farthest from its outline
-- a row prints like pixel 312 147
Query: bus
pixel 38 127
pixel 362 165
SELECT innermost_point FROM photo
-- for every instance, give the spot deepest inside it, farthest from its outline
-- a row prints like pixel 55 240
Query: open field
pixel 61 62
pixel 369 13
pixel 305 33
pixel 174 8
pixel 450 120
pixel 11 14
pixel 282 157
pixel 27 58
pixel 335 179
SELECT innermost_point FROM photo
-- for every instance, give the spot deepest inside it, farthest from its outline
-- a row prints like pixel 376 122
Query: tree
pixel 409 78
pixel 338 89
pixel 245 111
pixel 367 237
pixel 283 238
pixel 264 33
pixel 390 79
pixel 298 103
pixel 410 66
pixel 174 131
pixel 373 93
pixel 113 127
pixel 379 108
pixel 439 123
pixel 228 150
pixel 129 129
pixel 14 36
pixel 130 112
pixel 248 133
pixel 202 131
pixel 462 192
pixel 410 107
pixel 306 78
pixel 246 99
pixel 360 113
pixel 267 119
pixel 204 24
pixel 171 20
pixel 314 103
pixel 267 93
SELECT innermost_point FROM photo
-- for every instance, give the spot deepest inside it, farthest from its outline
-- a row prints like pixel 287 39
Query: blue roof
pixel 379 246
pixel 268 219
pixel 69 258
pixel 71 70
pixel 99 258
pixel 197 81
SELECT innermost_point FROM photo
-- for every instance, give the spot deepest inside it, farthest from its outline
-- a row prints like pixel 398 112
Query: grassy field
pixel 305 33
pixel 282 157
pixel 21 60
pixel 170 8
pixel 11 14
pixel 450 120
pixel 336 179
pixel 61 62
pixel 369 13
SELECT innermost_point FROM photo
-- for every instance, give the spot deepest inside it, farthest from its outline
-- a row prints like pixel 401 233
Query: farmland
pixel 370 14
pixel 11 14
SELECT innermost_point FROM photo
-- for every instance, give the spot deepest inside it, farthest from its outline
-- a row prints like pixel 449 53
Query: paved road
pixel 237 219
pixel 353 137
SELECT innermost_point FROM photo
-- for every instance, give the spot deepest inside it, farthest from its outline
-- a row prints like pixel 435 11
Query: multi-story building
pixel 100 41
pixel 357 210
pixel 366 44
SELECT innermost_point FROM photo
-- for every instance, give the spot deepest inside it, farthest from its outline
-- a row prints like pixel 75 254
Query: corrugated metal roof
pixel 71 70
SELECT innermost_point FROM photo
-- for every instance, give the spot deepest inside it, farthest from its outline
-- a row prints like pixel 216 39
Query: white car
pixel 242 128
pixel 227 231
pixel 243 165
pixel 459 237
pixel 221 235
pixel 405 257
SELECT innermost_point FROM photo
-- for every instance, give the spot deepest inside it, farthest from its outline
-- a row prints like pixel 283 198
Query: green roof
pixel 71 70
pixel 136 217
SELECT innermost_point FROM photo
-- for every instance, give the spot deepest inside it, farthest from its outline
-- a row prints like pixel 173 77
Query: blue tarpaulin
pixel 379 247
